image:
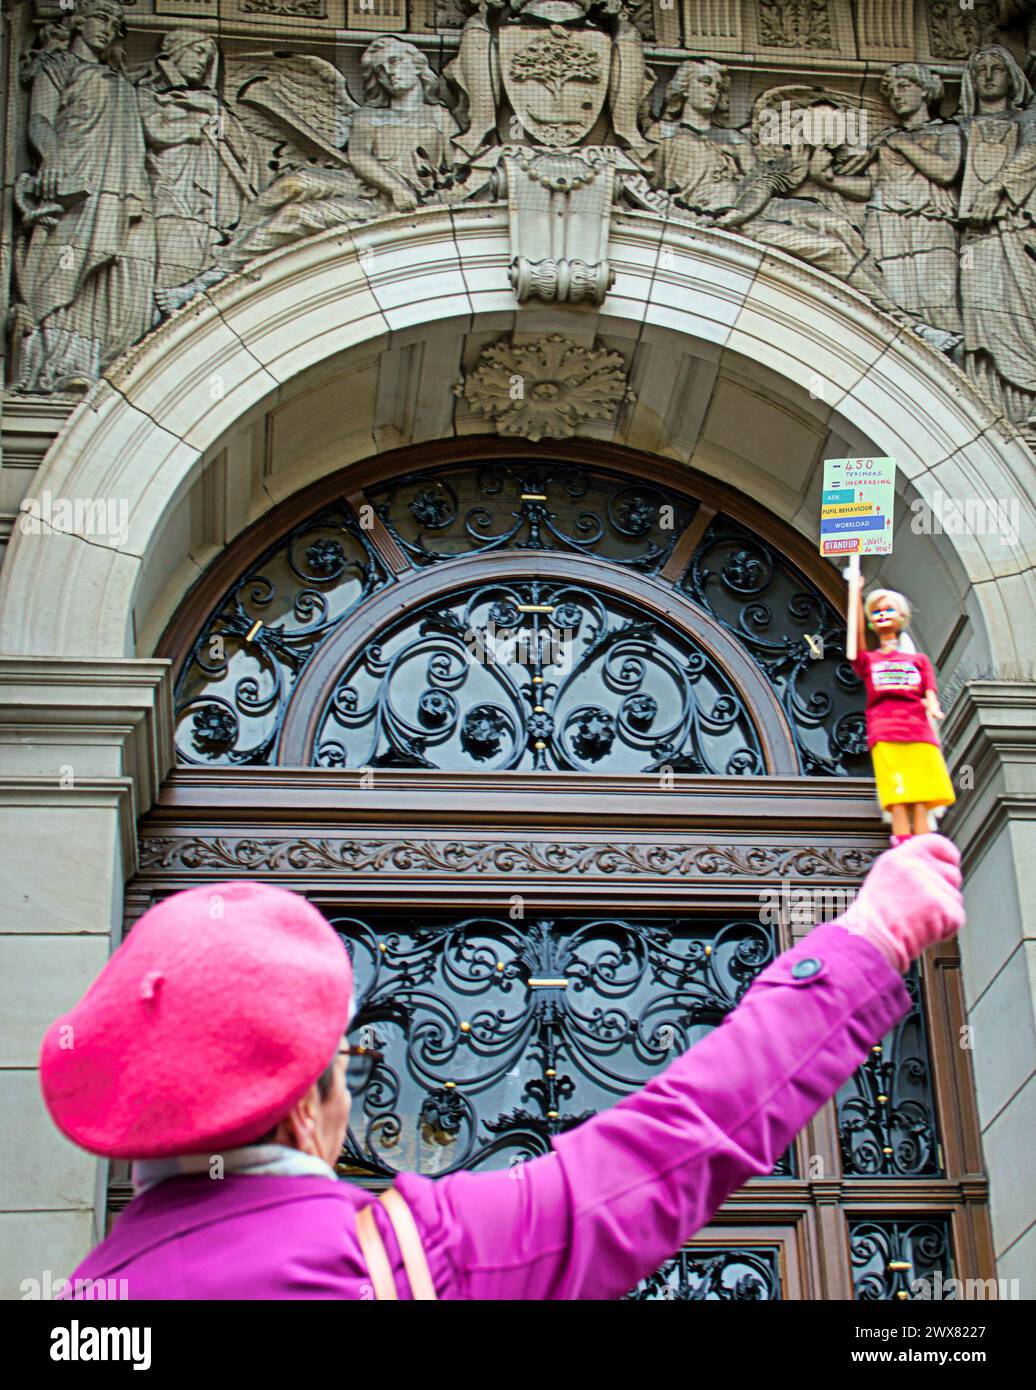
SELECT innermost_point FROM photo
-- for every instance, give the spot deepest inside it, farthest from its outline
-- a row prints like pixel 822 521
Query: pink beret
pixel 215 1015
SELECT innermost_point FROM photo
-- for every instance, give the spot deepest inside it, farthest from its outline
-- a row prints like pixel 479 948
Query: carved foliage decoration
pixel 227 854
pixel 555 58
pixel 545 389
pixel 956 32
pixel 299 9
pixel 795 23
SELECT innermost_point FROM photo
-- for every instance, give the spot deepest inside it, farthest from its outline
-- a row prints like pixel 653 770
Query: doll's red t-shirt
pixel 896 683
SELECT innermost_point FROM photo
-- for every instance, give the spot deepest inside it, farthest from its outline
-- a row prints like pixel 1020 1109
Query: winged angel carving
pixel 339 161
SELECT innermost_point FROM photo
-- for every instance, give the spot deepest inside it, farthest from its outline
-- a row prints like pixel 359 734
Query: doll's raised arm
pixel 856 612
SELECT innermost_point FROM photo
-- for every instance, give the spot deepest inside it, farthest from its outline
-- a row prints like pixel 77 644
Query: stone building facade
pixel 339 331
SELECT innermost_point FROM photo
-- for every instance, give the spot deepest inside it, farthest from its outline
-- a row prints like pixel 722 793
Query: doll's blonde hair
pixel 905 611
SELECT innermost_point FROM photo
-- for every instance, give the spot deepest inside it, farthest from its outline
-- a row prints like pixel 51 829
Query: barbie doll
pixel 902 707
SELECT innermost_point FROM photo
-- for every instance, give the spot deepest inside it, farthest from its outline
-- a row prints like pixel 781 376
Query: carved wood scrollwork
pixel 287 855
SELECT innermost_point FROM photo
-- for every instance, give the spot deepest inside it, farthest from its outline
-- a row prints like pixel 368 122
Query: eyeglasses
pixel 361 1063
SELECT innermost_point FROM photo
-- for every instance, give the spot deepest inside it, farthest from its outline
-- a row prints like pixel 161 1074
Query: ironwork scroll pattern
pixel 796 638
pixel 711 1274
pixel 517 505
pixel 233 691
pixel 536 675
pixel 888 1256
pixel 499 1035
pixel 886 1111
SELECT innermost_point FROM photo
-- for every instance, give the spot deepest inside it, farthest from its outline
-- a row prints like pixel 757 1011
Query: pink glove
pixel 909 900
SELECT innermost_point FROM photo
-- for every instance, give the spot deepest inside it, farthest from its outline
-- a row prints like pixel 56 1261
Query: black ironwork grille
pixel 886 1111
pixel 536 675
pixel 796 638
pixel 500 1034
pixel 643 696
pixel 233 690
pixel 520 505
pixel 715 1274
pixel 905 1259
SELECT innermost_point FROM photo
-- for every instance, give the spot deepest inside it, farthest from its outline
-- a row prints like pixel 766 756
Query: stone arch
pixel 747 366
pixel 787 336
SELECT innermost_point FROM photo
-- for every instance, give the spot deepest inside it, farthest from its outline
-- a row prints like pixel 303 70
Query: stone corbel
pixel 560 212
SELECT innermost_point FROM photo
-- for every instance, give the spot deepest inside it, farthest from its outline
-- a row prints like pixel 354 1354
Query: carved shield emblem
pixel 556 79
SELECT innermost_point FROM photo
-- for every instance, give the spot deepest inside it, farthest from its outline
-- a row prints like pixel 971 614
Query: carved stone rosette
pixel 547 388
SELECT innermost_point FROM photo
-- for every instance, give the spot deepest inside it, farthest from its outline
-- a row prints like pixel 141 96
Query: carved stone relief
pixel 311 14
pixel 204 164
pixel 189 172
pixel 294 9
pixel 787 194
pixel 86 264
pixel 545 389
pixel 560 203
pixel 907 175
pixel 956 32
pixel 998 208
pixel 795 23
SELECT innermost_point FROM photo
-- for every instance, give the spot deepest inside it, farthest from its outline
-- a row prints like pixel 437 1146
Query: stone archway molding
pixel 146 431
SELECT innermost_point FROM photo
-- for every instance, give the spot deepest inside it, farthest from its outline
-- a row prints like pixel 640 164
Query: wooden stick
pixel 852 575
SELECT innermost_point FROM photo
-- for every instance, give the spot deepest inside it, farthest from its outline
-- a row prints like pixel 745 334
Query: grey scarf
pixel 254 1160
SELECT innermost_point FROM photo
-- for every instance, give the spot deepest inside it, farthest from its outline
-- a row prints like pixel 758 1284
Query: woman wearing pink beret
pixel 210 1051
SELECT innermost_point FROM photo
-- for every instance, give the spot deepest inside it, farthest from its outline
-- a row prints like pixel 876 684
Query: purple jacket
pixel 617 1197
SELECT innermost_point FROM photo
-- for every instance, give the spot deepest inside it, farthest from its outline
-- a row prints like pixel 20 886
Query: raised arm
pixel 621 1193
pixel 856 609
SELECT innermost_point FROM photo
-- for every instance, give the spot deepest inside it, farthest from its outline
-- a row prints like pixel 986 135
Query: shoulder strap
pixel 409 1238
pixel 373 1249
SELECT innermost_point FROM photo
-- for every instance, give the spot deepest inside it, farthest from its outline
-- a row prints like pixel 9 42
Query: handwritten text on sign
pixel 856 506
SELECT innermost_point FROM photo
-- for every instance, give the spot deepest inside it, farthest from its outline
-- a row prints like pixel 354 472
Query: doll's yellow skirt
pixel 908 773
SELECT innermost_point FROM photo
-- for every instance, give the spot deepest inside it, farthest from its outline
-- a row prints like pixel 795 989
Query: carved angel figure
pixel 390 154
pixel 204 164
pixel 400 142
pixel 85 273
pixel 791 200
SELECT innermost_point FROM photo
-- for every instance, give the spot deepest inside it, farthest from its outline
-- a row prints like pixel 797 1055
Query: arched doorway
pixel 564 744
pixel 746 368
